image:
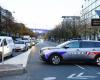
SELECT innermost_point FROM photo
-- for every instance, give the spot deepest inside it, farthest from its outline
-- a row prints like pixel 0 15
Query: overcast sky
pixel 44 14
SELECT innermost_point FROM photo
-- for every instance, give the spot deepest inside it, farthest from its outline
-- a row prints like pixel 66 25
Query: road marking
pixel 80 66
pixel 79 76
pixel 49 78
pixel 98 73
pixel 70 76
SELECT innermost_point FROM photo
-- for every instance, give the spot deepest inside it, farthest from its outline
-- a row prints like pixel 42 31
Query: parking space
pixel 75 72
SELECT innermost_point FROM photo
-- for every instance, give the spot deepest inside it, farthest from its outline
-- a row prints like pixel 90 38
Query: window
pixel 73 44
pixel 97 44
pixel 5 42
pixel 86 44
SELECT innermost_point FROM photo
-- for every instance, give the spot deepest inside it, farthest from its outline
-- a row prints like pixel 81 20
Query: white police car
pixel 70 50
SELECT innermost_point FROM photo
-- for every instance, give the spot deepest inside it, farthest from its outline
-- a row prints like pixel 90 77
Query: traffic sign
pixel 95 22
pixel 98 12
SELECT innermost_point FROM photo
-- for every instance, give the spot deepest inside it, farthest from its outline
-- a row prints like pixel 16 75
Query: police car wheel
pixel 55 59
pixel 98 60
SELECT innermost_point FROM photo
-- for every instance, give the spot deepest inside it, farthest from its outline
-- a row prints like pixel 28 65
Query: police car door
pixel 72 50
pixel 85 46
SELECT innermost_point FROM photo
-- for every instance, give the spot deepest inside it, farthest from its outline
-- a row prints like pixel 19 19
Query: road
pixel 38 70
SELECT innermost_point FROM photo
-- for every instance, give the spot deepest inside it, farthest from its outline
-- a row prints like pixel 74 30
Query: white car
pixel 81 50
pixel 6 45
pixel 28 43
pixel 20 46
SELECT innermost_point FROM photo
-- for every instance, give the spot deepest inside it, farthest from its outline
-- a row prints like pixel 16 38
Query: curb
pixel 14 66
pixel 9 70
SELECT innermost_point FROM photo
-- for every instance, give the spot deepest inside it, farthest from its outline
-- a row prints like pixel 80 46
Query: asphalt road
pixel 38 70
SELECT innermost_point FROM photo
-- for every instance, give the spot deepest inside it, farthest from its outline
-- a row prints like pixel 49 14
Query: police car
pixel 71 50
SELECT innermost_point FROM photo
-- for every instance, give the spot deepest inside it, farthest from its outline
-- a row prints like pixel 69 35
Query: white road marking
pixel 79 76
pixel 72 75
pixel 98 73
pixel 80 66
pixel 49 78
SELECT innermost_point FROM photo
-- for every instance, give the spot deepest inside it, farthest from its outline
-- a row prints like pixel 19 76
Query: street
pixel 38 70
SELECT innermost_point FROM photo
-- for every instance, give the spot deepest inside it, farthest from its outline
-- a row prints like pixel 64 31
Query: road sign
pixel 98 12
pixel 95 22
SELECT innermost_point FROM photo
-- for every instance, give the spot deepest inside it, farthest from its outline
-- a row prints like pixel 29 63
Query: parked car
pixel 71 50
pixel 33 42
pixel 27 41
pixel 20 46
pixel 8 45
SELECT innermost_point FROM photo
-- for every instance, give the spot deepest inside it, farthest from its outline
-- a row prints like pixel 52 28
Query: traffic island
pixel 8 70
pixel 14 66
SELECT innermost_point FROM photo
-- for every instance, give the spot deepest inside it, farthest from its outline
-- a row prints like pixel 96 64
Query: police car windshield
pixel 62 44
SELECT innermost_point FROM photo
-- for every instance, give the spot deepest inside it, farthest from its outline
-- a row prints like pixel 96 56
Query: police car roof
pixel 86 40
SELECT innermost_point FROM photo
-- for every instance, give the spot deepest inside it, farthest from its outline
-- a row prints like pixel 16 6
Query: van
pixel 8 45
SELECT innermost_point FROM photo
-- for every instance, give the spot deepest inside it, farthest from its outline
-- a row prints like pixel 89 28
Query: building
pixel 88 12
pixel 74 20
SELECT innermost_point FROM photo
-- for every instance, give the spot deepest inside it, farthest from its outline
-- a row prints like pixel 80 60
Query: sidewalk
pixel 15 65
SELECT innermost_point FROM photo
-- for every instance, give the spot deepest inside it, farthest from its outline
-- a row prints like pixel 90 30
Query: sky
pixel 42 14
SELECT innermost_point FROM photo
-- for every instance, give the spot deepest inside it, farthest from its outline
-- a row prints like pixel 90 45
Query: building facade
pixel 72 20
pixel 88 12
